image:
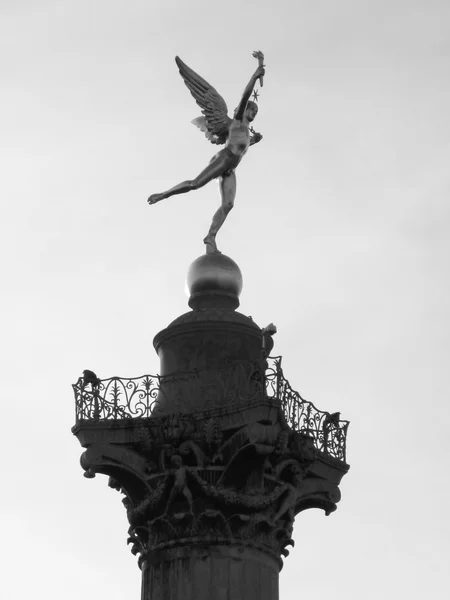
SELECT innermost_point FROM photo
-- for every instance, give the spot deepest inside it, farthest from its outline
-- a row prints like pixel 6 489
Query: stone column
pixel 210 573
pixel 214 458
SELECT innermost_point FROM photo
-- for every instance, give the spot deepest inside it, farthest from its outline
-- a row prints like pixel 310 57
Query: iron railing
pixel 119 398
pixel 328 431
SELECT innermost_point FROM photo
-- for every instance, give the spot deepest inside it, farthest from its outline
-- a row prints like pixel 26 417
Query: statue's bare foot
pixel 154 198
pixel 211 246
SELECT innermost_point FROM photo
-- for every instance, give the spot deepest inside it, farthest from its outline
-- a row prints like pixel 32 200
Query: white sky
pixel 341 229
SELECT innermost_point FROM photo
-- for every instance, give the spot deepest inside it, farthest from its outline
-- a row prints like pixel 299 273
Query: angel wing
pixel 215 121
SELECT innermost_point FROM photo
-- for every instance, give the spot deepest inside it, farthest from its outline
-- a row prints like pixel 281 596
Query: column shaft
pixel 214 573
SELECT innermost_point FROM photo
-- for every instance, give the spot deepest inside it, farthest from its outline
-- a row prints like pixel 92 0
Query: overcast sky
pixel 341 229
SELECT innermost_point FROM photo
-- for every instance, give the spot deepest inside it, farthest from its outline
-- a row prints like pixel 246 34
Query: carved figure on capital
pixel 290 473
pixel 180 483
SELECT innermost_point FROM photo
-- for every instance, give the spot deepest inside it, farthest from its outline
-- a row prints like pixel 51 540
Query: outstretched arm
pixel 258 74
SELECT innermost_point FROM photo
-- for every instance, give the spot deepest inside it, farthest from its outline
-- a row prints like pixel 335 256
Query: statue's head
pixel 251 110
pixel 176 461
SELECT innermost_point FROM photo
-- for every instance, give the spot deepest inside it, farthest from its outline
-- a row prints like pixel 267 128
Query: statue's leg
pixel 227 186
pixel 187 494
pixel 218 164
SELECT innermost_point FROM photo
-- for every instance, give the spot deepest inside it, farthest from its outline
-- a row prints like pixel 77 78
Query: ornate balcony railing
pixel 328 430
pixel 140 397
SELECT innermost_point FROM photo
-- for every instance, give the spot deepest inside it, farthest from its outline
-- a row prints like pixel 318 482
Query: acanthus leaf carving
pixel 188 481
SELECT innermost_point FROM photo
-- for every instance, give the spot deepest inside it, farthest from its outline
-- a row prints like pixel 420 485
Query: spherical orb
pixel 214 273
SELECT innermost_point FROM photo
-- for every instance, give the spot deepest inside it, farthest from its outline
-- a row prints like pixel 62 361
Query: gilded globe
pixel 214 274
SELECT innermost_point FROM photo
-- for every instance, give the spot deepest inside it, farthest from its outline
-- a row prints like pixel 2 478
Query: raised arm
pixel 258 74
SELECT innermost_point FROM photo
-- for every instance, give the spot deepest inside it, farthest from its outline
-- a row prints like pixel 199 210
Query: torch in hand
pixel 260 56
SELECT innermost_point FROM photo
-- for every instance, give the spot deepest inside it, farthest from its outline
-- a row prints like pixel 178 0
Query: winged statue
pixel 236 133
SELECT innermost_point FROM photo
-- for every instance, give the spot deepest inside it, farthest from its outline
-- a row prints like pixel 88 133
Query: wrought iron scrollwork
pixel 328 432
pixel 118 399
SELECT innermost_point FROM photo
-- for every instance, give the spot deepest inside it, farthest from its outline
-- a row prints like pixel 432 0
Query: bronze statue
pixel 219 128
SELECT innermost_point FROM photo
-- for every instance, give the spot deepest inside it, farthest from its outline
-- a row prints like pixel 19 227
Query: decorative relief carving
pixel 186 480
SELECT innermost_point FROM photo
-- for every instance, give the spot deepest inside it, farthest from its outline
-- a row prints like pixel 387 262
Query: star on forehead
pixel 255 95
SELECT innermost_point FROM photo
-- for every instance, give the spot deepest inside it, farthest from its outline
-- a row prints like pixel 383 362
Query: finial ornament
pixel 236 133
